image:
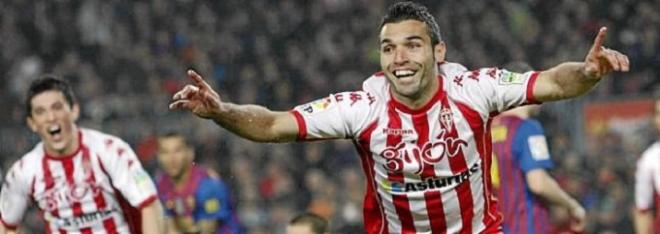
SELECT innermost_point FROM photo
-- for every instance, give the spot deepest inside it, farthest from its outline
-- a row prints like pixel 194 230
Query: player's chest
pixel 66 183
pixel 409 142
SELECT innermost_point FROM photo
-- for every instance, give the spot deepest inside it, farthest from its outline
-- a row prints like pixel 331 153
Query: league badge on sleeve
pixel 539 147
pixel 316 106
pixel 509 78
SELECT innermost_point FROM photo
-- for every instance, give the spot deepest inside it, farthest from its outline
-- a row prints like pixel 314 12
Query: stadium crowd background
pixel 126 58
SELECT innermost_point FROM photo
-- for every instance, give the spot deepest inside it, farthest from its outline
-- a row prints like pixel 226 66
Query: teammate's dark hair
pixel 318 224
pixel 401 11
pixel 45 83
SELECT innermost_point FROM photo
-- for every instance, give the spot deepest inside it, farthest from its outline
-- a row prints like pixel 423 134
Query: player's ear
pixel 31 123
pixel 75 112
pixel 439 51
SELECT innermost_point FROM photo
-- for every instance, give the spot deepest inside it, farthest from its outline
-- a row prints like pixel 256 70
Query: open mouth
pixel 55 130
pixel 404 73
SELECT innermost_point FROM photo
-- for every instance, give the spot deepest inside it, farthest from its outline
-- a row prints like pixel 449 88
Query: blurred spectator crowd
pixel 126 58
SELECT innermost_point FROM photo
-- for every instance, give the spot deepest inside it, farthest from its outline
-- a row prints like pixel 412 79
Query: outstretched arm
pixel 543 185
pixel 573 79
pixel 252 122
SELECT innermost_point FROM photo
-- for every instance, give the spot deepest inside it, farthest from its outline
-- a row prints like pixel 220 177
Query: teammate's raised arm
pixel 252 122
pixel 572 79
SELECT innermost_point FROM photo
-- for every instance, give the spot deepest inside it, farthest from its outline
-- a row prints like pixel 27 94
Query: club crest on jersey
pixel 446 119
pixel 317 106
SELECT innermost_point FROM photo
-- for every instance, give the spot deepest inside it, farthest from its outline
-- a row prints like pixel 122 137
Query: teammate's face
pixel 407 58
pixel 174 156
pixel 54 120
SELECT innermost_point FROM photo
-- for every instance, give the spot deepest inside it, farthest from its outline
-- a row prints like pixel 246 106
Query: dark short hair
pixel 176 134
pixel 45 83
pixel 401 11
pixel 318 224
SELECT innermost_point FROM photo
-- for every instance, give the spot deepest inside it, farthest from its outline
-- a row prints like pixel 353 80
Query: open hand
pixel 199 97
pixel 600 61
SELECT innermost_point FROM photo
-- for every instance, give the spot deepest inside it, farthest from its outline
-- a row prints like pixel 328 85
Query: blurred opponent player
pixel 423 135
pixel 647 183
pixel 82 180
pixel 196 200
pixel 522 184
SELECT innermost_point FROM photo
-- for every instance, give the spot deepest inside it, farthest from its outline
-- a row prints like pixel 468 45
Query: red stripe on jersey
pixel 108 224
pixel 458 165
pixel 50 183
pixel 530 89
pixel 373 214
pixel 401 204
pixel 69 169
pixel 492 218
pixel 433 199
pixel 302 127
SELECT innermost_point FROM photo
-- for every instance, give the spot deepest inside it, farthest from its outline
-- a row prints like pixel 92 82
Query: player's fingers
pixel 199 81
pixel 178 104
pixel 612 59
pixel 186 92
pixel 623 60
pixel 600 38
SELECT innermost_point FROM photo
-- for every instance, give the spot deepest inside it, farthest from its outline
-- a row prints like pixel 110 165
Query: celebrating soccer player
pixel 423 138
pixel 82 180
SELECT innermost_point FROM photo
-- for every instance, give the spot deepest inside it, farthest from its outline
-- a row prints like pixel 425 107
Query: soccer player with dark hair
pixel 196 200
pixel 82 180
pixel 422 133
pixel 647 181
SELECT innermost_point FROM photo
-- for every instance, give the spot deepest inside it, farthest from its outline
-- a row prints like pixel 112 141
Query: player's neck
pixel 72 147
pixel 425 95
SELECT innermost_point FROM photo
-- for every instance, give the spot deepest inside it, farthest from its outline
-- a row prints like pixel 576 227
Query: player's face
pixel 407 58
pixel 174 156
pixel 299 229
pixel 54 120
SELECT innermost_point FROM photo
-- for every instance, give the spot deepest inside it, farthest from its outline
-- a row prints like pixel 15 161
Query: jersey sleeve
pixel 493 90
pixel 14 198
pixel 340 115
pixel 644 188
pixel 531 147
pixel 213 201
pixel 128 176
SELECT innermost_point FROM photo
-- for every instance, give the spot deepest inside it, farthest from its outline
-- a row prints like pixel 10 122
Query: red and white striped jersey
pixel 647 182
pixel 81 192
pixel 427 169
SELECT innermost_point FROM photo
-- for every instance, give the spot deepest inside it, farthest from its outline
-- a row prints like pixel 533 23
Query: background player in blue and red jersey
pixel 523 187
pixel 195 199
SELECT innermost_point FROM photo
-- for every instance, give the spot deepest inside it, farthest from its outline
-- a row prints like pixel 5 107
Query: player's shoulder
pixel 651 156
pixel 376 85
pixel 96 137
